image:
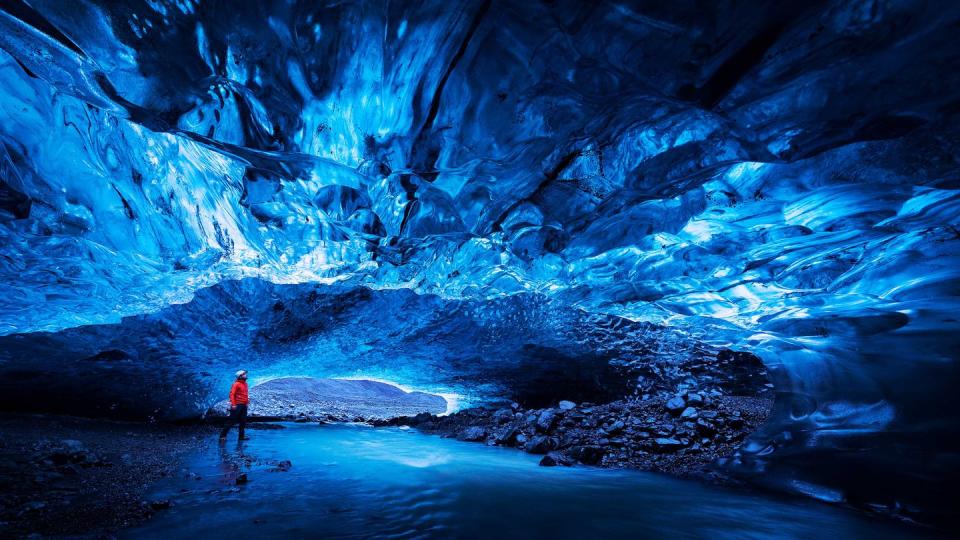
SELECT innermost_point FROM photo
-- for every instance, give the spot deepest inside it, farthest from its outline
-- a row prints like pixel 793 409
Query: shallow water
pixel 360 482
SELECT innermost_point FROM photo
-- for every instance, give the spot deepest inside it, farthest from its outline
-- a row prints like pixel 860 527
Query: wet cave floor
pixel 91 477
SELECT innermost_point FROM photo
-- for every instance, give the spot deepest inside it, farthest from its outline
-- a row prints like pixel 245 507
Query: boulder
pixel 705 427
pixel 507 436
pixel 503 416
pixel 556 458
pixel 472 434
pixel 540 445
pixel 546 420
pixel 616 427
pixel 676 405
pixel 667 444
pixel 590 455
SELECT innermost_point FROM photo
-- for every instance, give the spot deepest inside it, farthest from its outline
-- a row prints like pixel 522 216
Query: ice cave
pixel 479 268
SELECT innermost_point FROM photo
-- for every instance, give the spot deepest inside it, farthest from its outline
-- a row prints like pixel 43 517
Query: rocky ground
pixel 721 400
pixel 681 435
pixel 67 476
pixel 70 476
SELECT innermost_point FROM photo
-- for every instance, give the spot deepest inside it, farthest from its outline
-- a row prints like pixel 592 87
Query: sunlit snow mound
pixel 343 400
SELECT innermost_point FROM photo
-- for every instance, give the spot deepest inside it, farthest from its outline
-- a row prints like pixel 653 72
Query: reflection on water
pixel 359 482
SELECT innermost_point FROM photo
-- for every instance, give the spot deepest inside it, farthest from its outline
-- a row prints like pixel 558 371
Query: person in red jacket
pixel 238 406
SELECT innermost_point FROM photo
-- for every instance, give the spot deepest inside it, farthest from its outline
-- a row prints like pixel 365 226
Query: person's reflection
pixel 232 464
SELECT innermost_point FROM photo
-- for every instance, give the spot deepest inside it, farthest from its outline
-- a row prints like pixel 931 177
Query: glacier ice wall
pixel 778 176
pixel 176 362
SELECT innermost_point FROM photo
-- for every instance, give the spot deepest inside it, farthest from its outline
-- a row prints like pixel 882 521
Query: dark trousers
pixel 238 415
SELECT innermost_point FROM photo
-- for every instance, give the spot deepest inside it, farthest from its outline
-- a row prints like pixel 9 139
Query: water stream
pixel 359 482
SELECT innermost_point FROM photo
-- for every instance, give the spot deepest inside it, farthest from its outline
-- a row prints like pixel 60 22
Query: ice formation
pixel 778 177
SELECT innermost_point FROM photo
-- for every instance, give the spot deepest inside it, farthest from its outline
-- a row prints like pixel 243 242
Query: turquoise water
pixel 360 482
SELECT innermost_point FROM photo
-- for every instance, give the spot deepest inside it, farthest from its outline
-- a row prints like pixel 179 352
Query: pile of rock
pixel 66 456
pixel 678 435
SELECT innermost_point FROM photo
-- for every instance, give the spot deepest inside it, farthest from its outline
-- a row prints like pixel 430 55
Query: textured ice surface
pixel 780 177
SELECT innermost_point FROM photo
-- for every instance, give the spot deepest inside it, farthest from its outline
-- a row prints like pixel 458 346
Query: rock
pixel 556 458
pixel 616 427
pixel 590 455
pixel 676 405
pixel 69 470
pixel 540 445
pixel 627 433
pixel 569 439
pixel 472 434
pixel 503 416
pixel 422 417
pixel 705 427
pixel 546 420
pixel 73 445
pixel 506 436
pixel 567 405
pixel 282 466
pixel 666 444
pixel 160 505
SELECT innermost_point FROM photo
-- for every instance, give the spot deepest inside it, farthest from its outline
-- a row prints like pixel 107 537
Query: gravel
pixel 72 476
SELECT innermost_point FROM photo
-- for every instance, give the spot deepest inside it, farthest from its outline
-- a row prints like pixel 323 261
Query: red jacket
pixel 238 394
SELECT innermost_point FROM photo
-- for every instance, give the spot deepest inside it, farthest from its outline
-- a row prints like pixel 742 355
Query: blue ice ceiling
pixel 775 176
pixel 732 163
